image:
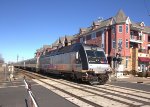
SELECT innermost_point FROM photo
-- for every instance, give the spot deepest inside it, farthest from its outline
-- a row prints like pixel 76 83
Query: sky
pixel 27 25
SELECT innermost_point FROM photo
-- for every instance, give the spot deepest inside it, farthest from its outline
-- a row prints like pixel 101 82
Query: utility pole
pixel 17 58
pixel 17 61
pixel 115 55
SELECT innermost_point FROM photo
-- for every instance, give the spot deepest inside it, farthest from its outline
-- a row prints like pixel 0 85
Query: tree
pixel 1 59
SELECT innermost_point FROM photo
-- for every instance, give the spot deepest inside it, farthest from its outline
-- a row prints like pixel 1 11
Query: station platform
pixel 14 94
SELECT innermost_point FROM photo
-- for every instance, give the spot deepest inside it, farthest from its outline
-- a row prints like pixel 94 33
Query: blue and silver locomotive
pixel 77 61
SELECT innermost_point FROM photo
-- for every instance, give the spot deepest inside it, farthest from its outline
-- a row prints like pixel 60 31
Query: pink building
pixel 119 35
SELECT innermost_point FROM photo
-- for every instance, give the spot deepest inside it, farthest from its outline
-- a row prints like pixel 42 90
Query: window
pixel 96 57
pixel 113 44
pixel 99 33
pixel 127 28
pixel 126 62
pixel 119 44
pixel 88 37
pixel 91 53
pixel 81 40
pixel 113 29
pixel 142 67
pixel 139 46
pixel 120 28
pixel 126 43
pixel 103 39
pixel 102 45
pixel 140 33
pixel 93 35
pixel 131 35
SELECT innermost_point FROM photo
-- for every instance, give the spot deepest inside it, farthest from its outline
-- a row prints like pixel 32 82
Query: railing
pixel 32 100
pixel 142 50
pixel 135 39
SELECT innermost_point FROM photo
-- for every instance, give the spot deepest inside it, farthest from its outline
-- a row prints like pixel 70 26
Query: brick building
pixel 119 35
pixel 61 42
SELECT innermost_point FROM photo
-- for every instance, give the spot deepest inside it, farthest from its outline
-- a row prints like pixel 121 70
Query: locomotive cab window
pixel 96 57
pixel 91 53
pixel 78 59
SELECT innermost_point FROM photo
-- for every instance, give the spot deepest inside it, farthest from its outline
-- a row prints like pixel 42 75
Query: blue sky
pixel 26 25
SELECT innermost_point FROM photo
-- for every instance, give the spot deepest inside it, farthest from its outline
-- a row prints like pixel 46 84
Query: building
pixel 61 42
pixel 119 36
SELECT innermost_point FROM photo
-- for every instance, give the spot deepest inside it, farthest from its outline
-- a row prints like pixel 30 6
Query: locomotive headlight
pixel 108 70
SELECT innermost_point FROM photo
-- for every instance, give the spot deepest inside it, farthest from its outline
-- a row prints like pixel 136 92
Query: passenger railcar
pixel 30 64
pixel 77 61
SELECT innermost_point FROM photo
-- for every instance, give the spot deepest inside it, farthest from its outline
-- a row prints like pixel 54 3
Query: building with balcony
pixel 61 42
pixel 118 35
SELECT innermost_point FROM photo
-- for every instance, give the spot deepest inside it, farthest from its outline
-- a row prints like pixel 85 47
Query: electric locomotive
pixel 77 61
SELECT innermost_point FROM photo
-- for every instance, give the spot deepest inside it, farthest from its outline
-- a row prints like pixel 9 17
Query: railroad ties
pixel 106 95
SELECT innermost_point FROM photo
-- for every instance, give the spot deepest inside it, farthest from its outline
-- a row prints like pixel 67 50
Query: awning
pixel 144 59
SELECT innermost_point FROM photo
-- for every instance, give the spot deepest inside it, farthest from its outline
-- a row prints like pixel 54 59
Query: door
pixel 142 67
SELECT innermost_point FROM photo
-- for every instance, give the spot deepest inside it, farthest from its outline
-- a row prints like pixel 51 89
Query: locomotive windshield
pixel 96 57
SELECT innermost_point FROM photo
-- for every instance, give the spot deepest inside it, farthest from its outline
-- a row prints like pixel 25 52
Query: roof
pixel 43 48
pixel 47 46
pixel 120 17
pixel 137 26
pixel 100 24
pixel 62 40
pixel 85 30
pixel 103 23
pixel 39 50
pixel 73 47
pixel 147 29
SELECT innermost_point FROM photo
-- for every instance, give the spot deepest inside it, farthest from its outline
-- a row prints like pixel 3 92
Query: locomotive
pixel 77 61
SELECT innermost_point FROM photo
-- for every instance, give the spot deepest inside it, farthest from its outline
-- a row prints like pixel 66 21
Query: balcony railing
pixel 142 50
pixel 136 41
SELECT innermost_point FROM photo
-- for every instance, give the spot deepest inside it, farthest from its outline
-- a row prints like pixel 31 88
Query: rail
pixel 33 102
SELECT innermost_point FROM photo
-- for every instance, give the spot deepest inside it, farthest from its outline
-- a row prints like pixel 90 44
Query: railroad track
pixel 93 96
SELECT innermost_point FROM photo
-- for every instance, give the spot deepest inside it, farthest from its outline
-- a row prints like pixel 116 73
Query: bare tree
pixel 1 59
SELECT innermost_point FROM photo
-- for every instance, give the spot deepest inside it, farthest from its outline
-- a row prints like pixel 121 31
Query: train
pixel 77 61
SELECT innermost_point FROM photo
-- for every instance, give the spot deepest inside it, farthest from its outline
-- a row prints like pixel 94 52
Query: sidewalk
pixel 133 79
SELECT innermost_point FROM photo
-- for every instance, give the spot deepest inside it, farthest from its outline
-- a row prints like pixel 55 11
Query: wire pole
pixel 17 58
